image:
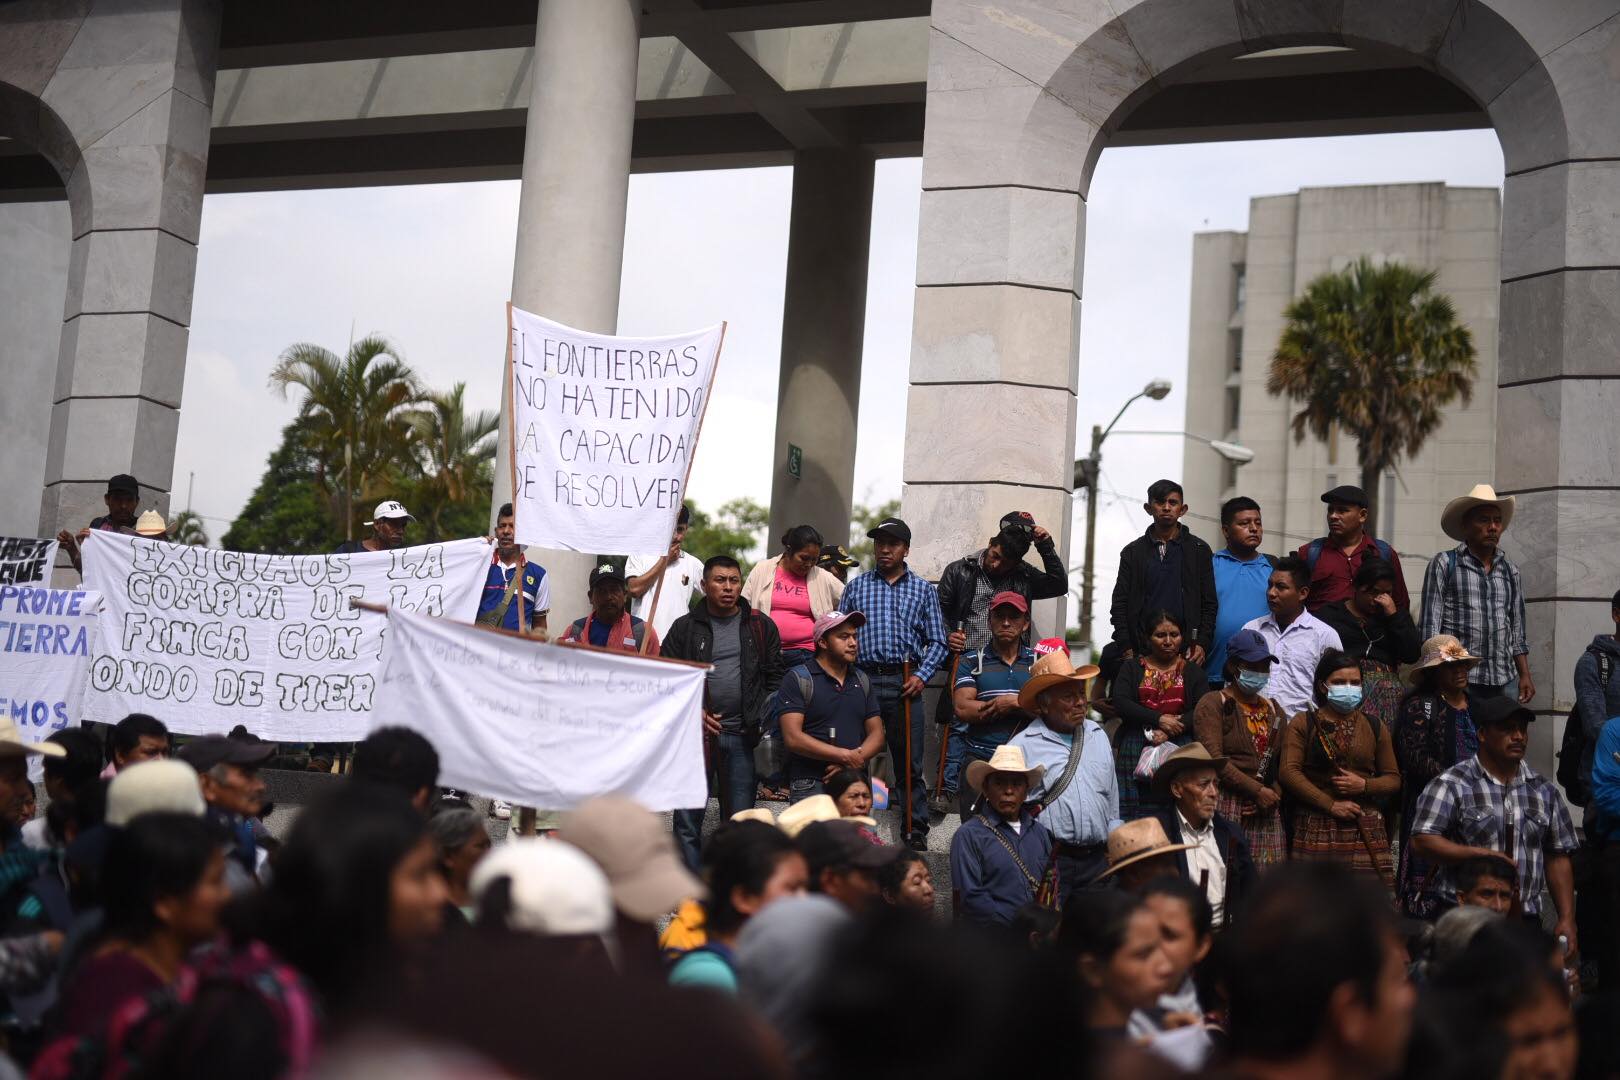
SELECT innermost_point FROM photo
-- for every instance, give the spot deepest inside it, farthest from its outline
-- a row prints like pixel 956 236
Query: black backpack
pixel 1573 747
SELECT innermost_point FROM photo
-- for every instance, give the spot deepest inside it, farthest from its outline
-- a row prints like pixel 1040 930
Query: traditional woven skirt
pixel 1263 829
pixel 1324 837
pixel 1136 797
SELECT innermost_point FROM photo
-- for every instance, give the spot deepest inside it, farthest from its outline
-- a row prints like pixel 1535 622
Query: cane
pixel 950 720
pixel 905 718
pixel 1366 842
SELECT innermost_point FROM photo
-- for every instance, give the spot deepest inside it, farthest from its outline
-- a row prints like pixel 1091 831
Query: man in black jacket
pixel 1165 568
pixel 1218 859
pixel 965 589
pixel 746 652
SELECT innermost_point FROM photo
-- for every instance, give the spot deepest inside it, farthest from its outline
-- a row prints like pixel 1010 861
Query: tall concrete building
pixel 1241 284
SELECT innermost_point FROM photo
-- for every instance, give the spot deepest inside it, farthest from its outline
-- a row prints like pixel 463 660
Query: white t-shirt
pixel 682 581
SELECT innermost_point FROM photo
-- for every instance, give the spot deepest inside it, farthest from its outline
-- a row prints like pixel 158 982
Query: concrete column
pixel 823 323
pixel 36 238
pixel 576 181
pixel 133 89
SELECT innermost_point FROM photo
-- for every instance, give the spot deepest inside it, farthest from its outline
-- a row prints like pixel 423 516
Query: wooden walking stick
pixel 949 712
pixel 905 718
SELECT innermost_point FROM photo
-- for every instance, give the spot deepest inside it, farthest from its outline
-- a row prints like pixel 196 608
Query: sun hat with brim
pixel 1438 651
pixel 1194 755
pixel 153 786
pixel 755 813
pixel 1006 759
pixel 151 525
pixel 1456 512
pixel 1136 841
pixel 12 742
pixel 1053 669
pixel 636 853
pixel 556 889
pixel 806 812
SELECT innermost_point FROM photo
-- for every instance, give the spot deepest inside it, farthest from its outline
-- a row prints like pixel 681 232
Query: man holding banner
pixel 513 585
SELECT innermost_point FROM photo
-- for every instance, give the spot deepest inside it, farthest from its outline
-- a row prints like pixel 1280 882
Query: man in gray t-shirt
pixel 746 653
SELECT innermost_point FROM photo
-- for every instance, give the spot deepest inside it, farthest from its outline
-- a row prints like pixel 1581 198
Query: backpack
pixel 1313 551
pixel 1573 748
pixel 807 685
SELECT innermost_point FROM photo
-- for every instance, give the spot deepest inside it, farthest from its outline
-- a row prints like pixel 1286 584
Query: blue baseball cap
pixel 1249 647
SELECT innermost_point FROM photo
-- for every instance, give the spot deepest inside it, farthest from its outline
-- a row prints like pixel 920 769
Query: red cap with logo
pixel 1011 599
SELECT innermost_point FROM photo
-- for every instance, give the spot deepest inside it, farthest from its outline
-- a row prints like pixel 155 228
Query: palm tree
pixel 355 417
pixel 187 528
pixel 456 452
pixel 1376 351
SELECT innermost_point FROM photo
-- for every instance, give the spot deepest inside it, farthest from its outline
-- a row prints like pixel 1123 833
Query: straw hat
pixel 1456 511
pixel 806 812
pixel 1135 841
pixel 1193 755
pixel 1007 759
pixel 1051 670
pixel 151 525
pixel 1438 650
pixel 754 813
pixel 634 850
pixel 12 742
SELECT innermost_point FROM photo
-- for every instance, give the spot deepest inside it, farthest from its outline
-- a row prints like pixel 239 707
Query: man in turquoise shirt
pixel 1241 574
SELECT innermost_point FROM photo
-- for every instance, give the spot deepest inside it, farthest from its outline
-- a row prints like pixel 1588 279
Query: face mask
pixel 1344 698
pixel 1253 682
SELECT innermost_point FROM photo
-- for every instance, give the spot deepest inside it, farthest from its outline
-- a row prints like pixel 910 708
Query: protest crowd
pixel 1283 827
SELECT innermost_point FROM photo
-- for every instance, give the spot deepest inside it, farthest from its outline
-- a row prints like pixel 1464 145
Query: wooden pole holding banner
pixel 658 589
pixel 511 454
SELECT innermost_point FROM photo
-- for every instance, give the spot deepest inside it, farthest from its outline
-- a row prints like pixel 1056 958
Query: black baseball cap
pixel 1348 494
pixel 835 555
pixel 606 572
pixel 828 844
pixel 892 527
pixel 1499 709
pixel 123 484
pixel 1018 519
pixel 210 750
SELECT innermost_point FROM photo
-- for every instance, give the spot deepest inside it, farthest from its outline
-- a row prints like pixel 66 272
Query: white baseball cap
pixel 152 786
pixel 389 509
pixel 556 888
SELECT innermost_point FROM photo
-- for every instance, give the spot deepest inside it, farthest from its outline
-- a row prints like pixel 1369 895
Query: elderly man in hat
pixel 904 645
pixel 1139 851
pixel 1000 856
pixel 387 526
pixel 228 767
pixel 1493 804
pixel 1334 559
pixel 1078 791
pixel 1473 593
pixel 1217 858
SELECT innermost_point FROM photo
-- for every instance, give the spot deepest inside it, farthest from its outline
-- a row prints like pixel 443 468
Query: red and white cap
pixel 1051 645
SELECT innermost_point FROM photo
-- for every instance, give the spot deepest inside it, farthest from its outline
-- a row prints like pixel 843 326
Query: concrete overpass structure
pixel 133 110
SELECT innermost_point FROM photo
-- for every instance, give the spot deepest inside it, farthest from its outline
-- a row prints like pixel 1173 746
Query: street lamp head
pixel 1237 455
pixel 1158 389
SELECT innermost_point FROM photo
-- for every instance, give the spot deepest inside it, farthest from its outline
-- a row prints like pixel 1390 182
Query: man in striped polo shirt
pixel 987 683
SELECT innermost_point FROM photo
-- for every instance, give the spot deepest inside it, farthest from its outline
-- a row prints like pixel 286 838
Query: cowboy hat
pixel 1438 650
pixel 1456 511
pixel 1052 670
pixel 806 812
pixel 1135 841
pixel 1191 756
pixel 1007 759
pixel 151 524
pixel 755 813
pixel 12 742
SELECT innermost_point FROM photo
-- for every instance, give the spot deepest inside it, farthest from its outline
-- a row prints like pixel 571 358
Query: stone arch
pixel 1024 95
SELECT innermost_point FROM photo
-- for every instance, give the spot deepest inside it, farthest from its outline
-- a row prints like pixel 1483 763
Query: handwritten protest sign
pixel 47 637
pixel 205 639
pixel 24 559
pixel 603 432
pixel 545 725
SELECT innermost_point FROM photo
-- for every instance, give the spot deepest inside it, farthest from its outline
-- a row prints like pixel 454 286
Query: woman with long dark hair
pixel 1114 941
pixel 1154 694
pixel 1378 634
pixel 1337 765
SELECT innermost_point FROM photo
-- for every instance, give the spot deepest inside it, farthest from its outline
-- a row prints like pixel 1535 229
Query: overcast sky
pixel 430 268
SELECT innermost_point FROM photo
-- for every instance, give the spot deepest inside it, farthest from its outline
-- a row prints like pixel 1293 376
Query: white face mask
pixel 1344 698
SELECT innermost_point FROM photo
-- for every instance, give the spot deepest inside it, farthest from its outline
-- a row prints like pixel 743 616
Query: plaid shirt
pixel 1482 609
pixel 1465 804
pixel 903 621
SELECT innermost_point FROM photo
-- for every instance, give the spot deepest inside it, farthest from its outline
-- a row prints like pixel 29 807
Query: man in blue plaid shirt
pixel 1467 811
pixel 903 625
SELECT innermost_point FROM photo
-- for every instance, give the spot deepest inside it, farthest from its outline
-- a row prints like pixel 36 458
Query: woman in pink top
pixel 794 592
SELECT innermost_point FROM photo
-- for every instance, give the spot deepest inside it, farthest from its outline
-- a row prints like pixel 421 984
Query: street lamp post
pixel 1086 472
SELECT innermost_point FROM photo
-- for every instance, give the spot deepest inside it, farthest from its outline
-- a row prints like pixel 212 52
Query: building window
pixel 1234 348
pixel 1240 287
pixel 1386 505
pixel 1233 399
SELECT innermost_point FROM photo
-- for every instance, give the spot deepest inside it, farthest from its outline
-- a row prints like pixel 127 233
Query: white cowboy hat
pixel 1456 511
pixel 1007 759
pixel 152 525
pixel 12 742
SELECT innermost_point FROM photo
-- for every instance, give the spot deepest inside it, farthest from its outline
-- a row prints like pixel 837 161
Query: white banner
pixel 24 559
pixel 603 433
pixel 206 639
pixel 47 637
pixel 545 725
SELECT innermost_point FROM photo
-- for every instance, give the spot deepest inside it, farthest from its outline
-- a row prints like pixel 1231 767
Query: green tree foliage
pixel 289 512
pixel 1376 351
pixel 356 421
pixel 454 451
pixel 187 528
pixel 736 529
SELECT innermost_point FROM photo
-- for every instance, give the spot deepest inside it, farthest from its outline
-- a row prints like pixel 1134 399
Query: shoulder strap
pixel 864 681
pixel 1271 560
pixel 1077 749
pixel 1451 563
pixel 1385 552
pixel 1034 882
pixel 578 626
pixel 807 685
pixel 1605 663
pixel 497 614
pixel 1313 551
pixel 638 632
